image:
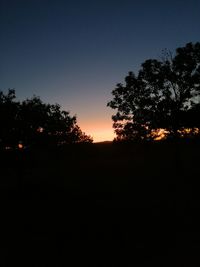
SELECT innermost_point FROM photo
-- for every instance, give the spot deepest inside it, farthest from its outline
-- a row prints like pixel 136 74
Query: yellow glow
pixel 160 134
pixel 188 131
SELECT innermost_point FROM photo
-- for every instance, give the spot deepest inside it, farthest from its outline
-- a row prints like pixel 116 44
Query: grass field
pixel 101 205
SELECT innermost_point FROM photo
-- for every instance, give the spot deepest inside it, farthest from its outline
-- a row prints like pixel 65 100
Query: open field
pixel 101 205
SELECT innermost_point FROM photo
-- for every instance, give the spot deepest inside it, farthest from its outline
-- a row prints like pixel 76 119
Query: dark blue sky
pixel 74 52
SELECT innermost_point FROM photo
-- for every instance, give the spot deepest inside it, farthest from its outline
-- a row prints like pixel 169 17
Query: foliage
pixel 32 122
pixel 165 94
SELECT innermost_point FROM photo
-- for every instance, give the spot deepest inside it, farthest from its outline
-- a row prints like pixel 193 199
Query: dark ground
pixel 101 205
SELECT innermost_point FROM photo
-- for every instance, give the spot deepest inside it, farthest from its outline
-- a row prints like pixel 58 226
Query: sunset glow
pixel 99 131
pixel 102 135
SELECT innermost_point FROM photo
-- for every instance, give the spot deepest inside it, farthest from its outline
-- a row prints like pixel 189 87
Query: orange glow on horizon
pixel 99 131
pixel 102 135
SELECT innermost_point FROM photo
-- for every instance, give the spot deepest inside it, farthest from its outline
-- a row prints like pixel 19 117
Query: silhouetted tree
pixel 32 122
pixel 8 118
pixel 164 95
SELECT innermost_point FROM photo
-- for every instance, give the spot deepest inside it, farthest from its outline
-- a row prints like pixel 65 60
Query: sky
pixel 75 52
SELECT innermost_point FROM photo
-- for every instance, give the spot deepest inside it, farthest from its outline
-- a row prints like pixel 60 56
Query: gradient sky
pixel 75 52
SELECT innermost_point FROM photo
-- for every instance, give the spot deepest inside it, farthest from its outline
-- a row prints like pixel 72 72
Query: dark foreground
pixel 101 205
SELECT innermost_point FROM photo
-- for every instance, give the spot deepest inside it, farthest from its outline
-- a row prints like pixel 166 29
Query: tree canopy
pixel 163 96
pixel 33 122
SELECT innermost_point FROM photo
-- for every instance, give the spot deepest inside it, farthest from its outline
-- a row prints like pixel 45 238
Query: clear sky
pixel 74 52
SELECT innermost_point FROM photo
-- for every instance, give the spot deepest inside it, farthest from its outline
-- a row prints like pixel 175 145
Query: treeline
pixel 162 100
pixel 32 122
